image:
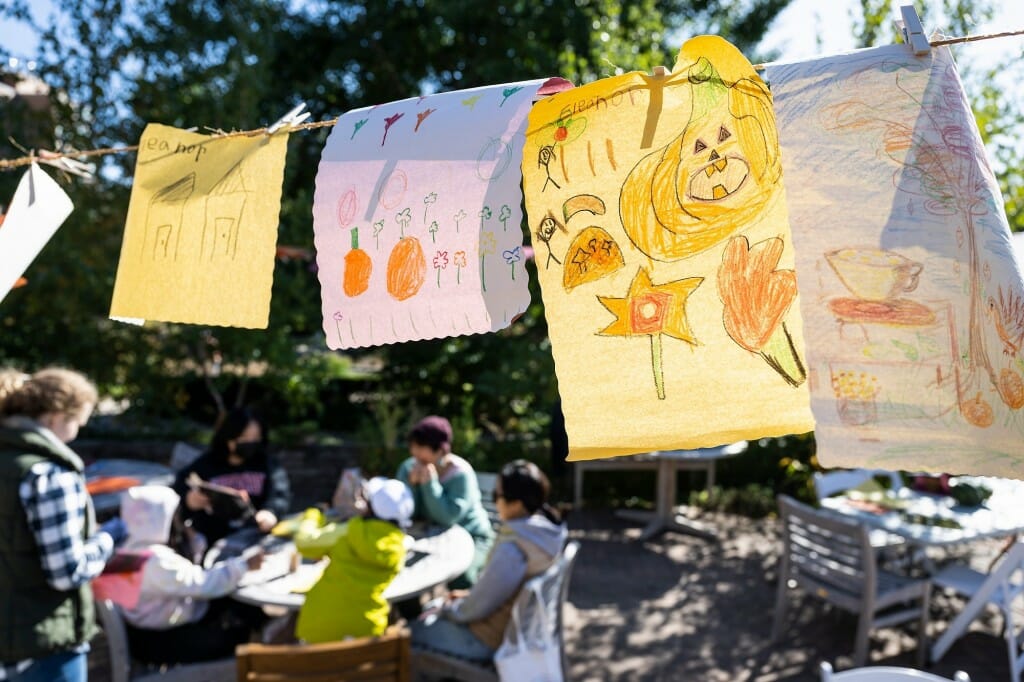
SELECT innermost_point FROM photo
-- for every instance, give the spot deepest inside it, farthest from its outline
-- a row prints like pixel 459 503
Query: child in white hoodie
pixel 181 614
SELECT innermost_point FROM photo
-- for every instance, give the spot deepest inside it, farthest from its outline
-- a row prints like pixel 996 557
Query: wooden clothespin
pixel 913 31
pixel 292 118
pixel 63 163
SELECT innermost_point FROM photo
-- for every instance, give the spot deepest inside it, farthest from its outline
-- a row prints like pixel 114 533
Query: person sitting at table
pixel 471 624
pixel 180 612
pixel 445 489
pixel 237 458
pixel 366 553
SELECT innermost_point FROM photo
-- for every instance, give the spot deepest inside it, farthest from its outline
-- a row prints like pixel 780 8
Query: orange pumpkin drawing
pixel 407 268
pixel 358 267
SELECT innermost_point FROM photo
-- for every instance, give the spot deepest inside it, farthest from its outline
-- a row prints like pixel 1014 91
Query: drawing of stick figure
pixel 546 231
pixel 544 158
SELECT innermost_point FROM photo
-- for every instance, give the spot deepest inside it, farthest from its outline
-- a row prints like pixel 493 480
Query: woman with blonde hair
pixel 51 547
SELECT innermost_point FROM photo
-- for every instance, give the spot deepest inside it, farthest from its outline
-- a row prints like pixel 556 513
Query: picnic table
pixel 436 557
pixel 666 463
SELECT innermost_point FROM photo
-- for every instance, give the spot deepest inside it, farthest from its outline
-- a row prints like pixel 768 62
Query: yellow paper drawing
pixel 660 206
pixel 202 225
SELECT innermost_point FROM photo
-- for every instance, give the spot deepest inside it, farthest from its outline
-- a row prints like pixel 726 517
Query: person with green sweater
pixel 445 489
pixel 365 553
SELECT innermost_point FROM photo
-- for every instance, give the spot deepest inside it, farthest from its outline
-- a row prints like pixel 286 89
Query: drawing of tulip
pixel 404 217
pixel 756 297
pixel 427 201
pixel 459 217
pixel 378 227
pixel 440 263
pixel 459 260
pixel 433 232
pixel 485 214
pixel 652 310
pixel 488 245
pixel 512 257
pixel 503 215
pixel 338 317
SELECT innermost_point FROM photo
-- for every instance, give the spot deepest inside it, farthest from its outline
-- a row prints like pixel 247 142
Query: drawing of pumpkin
pixel 977 411
pixel 407 268
pixel 720 173
pixel 1011 389
pixel 358 267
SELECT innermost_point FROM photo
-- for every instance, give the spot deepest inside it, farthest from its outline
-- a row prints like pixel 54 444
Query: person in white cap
pixel 366 553
pixel 180 613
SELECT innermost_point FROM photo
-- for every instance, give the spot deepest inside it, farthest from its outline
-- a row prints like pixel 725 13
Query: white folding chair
pixel 886 674
pixel 1000 588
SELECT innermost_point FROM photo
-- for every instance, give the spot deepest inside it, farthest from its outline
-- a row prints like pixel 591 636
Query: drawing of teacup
pixel 874 274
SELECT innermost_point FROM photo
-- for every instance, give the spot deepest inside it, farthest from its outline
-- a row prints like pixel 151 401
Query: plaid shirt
pixel 55 506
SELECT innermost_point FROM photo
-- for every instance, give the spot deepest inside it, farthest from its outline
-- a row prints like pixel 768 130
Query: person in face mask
pixel 237 459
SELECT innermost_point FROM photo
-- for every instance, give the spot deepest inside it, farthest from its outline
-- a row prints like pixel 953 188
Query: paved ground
pixel 680 608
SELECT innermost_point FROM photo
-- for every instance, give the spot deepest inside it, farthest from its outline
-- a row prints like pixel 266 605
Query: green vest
pixel 36 620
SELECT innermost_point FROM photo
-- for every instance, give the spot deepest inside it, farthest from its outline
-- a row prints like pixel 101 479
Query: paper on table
pixel 38 208
pixel 417 217
pixel 202 223
pixel 912 301
pixel 664 258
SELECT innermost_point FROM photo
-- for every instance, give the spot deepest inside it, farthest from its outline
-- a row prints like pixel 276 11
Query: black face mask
pixel 249 451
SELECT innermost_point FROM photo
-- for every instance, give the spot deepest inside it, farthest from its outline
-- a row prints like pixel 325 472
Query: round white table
pixel 432 560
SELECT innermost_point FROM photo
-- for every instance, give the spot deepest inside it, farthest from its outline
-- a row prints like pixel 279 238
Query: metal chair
pixel 832 558
pixel 121 660
pixel 886 674
pixel 487 482
pixel 553 585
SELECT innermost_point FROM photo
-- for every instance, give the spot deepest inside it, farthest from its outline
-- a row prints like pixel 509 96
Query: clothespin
pixel 292 118
pixel 913 31
pixel 63 163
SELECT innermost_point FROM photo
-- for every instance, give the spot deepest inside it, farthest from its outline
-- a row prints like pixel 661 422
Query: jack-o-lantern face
pixel 714 178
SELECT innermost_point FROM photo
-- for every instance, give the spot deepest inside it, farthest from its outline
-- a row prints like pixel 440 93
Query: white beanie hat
pixel 390 500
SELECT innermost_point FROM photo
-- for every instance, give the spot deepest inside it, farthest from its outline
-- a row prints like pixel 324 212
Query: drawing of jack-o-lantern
pixel 720 173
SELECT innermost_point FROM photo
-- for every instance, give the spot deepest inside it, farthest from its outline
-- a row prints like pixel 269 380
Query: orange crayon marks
pixel 358 267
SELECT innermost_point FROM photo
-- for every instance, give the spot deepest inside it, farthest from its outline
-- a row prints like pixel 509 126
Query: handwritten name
pixel 157 145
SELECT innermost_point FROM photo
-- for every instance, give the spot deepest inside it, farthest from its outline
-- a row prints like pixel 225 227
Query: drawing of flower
pixel 459 260
pixel 756 297
pixel 512 257
pixel 404 217
pixel 427 201
pixel 652 310
pixel 488 245
pixel 459 217
pixel 433 232
pixel 440 263
pixel 503 215
pixel 855 396
pixel 378 227
pixel 485 214
pixel 338 317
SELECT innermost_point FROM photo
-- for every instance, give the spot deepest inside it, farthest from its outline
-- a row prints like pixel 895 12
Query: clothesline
pixel 11 164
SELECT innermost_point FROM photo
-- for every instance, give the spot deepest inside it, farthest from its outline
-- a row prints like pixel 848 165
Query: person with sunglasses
pixel 471 624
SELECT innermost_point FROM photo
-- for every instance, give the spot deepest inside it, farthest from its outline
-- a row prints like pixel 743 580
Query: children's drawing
pixel 440 194
pixel 755 298
pixel 36 210
pixel 910 278
pixel 199 242
pixel 546 231
pixel 638 180
pixel 358 267
pixel 652 310
pixel 356 126
pixel 593 254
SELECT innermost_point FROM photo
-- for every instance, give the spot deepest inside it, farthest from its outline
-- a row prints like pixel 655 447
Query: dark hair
pixel 524 481
pixel 434 432
pixel 232 426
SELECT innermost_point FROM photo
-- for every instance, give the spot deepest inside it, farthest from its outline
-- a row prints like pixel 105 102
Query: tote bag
pixel 520 659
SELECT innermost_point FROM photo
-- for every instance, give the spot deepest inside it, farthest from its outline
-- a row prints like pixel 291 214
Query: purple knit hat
pixel 433 431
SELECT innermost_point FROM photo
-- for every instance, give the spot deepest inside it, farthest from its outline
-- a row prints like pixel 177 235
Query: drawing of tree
pixel 433 232
pixel 378 227
pixel 404 217
pixel 427 201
